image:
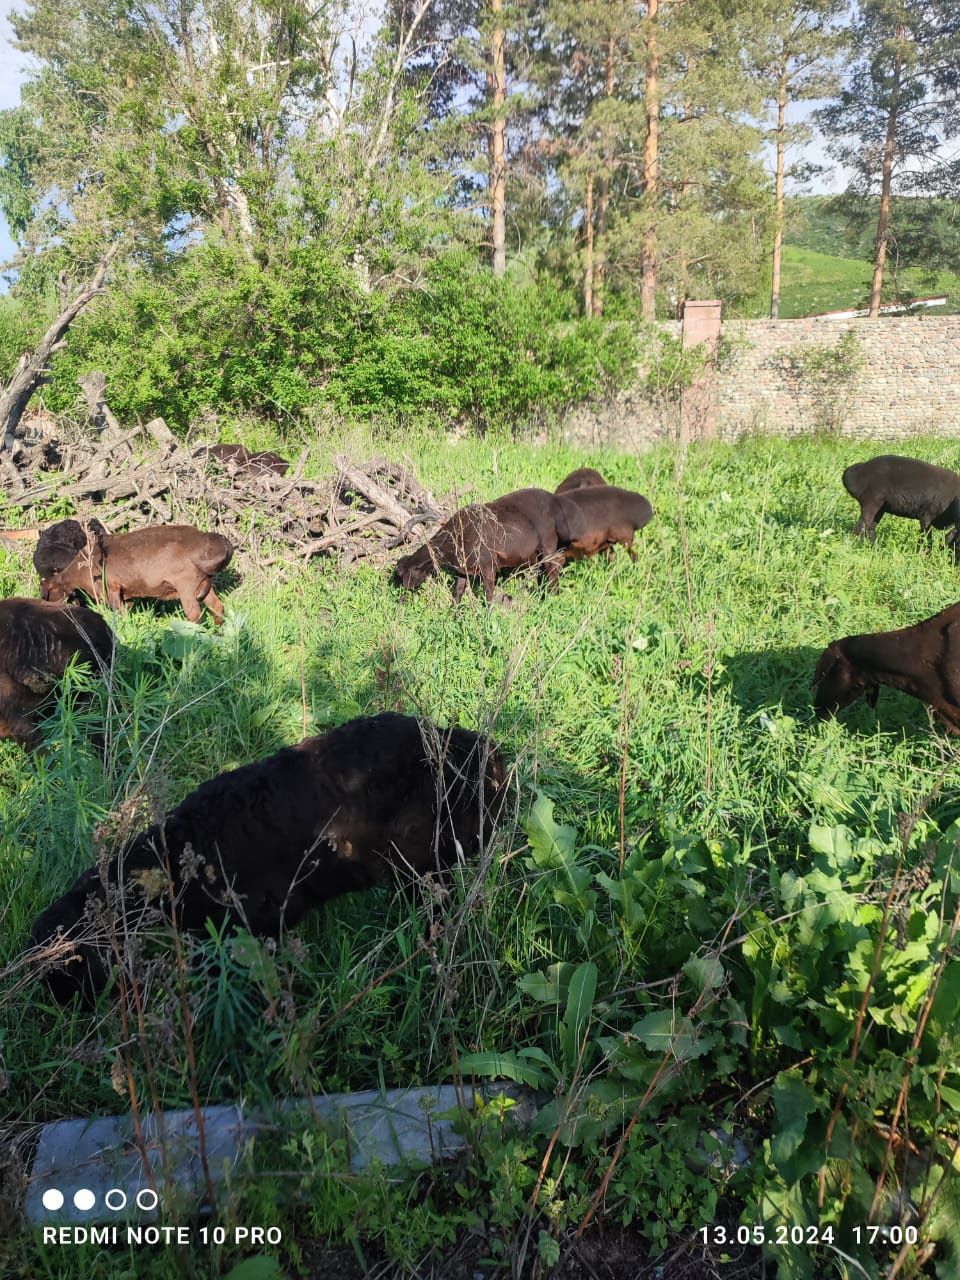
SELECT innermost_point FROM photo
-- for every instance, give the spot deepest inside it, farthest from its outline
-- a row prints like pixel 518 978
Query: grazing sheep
pixel 264 844
pixel 890 485
pixel 255 464
pixel 521 529
pixel 582 478
pixel 165 562
pixel 37 642
pixel 598 519
pixel 922 660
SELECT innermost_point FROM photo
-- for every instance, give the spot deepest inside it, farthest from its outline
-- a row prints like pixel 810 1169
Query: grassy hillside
pixel 689 946
pixel 815 282
pixel 827 264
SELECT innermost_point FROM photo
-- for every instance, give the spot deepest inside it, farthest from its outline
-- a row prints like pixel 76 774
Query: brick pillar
pixel 698 402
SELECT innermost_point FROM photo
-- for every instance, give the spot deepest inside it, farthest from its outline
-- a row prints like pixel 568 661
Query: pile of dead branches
pixel 145 475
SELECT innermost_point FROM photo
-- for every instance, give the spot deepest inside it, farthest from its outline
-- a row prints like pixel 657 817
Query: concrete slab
pixel 92 1171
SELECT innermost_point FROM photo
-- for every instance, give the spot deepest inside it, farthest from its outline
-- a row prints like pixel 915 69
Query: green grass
pixel 693 666
pixel 815 282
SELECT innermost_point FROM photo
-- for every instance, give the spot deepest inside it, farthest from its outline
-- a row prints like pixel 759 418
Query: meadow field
pixel 716 934
pixel 815 282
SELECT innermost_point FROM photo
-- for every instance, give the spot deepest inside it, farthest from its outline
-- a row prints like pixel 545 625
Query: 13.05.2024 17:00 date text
pixel 805 1235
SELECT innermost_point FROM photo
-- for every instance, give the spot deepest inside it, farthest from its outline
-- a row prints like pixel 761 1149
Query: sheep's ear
pixel 871 694
pixel 825 668
pixel 96 533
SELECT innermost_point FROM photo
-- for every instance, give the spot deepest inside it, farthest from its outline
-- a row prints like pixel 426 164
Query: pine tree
pixel 794 48
pixel 892 118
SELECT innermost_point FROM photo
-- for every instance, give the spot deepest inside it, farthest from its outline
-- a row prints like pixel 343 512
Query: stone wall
pixel 909 384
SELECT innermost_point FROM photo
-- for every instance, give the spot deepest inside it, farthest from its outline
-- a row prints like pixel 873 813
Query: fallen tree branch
pixel 32 369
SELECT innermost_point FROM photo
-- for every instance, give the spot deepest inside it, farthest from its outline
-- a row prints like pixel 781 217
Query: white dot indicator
pixel 84 1199
pixel 147 1199
pixel 115 1199
pixel 53 1199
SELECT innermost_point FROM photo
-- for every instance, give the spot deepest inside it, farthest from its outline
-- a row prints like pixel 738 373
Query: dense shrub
pixel 20 326
pixel 217 331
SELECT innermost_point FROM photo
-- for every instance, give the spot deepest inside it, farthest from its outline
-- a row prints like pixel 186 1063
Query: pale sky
pixel 11 73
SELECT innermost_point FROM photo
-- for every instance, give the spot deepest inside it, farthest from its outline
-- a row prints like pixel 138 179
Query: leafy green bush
pixel 20 326
pixel 752 983
pixel 217 332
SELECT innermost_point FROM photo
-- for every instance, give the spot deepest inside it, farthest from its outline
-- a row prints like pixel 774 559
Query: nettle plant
pixel 806 1016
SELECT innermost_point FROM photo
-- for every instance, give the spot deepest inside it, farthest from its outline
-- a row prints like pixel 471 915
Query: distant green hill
pixel 815 282
pixel 827 264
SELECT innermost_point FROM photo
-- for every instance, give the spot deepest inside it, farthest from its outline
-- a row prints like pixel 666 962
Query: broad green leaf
pixel 951 1097
pixel 509 1066
pixel 580 996
pixel 548 987
pixel 665 1031
pixel 793 1102
pixel 552 845
pixel 705 972
pixel 259 1268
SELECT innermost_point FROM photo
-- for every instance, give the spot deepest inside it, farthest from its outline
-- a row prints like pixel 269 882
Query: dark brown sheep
pixel 255 464
pixel 37 642
pixel 890 485
pixel 582 478
pixel 922 660
pixel 520 529
pixel 264 844
pixel 165 562
pixel 599 519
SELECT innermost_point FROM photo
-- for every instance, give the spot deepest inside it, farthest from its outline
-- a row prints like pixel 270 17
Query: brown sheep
pixel 255 464
pixel 520 529
pixel 922 660
pixel 264 844
pixel 165 562
pixel 38 639
pixel 599 519
pixel 582 478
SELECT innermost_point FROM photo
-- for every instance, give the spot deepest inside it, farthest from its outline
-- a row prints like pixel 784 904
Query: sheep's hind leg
pixel 488 576
pixel 190 603
pixel 214 604
pixel 20 730
pixel 870 515
pixel 549 567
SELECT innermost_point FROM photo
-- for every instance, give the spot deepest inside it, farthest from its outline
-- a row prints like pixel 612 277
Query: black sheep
pixel 266 843
pixel 922 660
pixel 582 478
pixel 254 464
pixel 37 642
pixel 890 485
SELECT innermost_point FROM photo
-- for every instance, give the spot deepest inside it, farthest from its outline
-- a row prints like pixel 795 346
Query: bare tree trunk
pixel 404 45
pixel 497 85
pixel 588 251
pixel 603 196
pixel 886 182
pixel 778 198
pixel 32 369
pixel 686 181
pixel 651 156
